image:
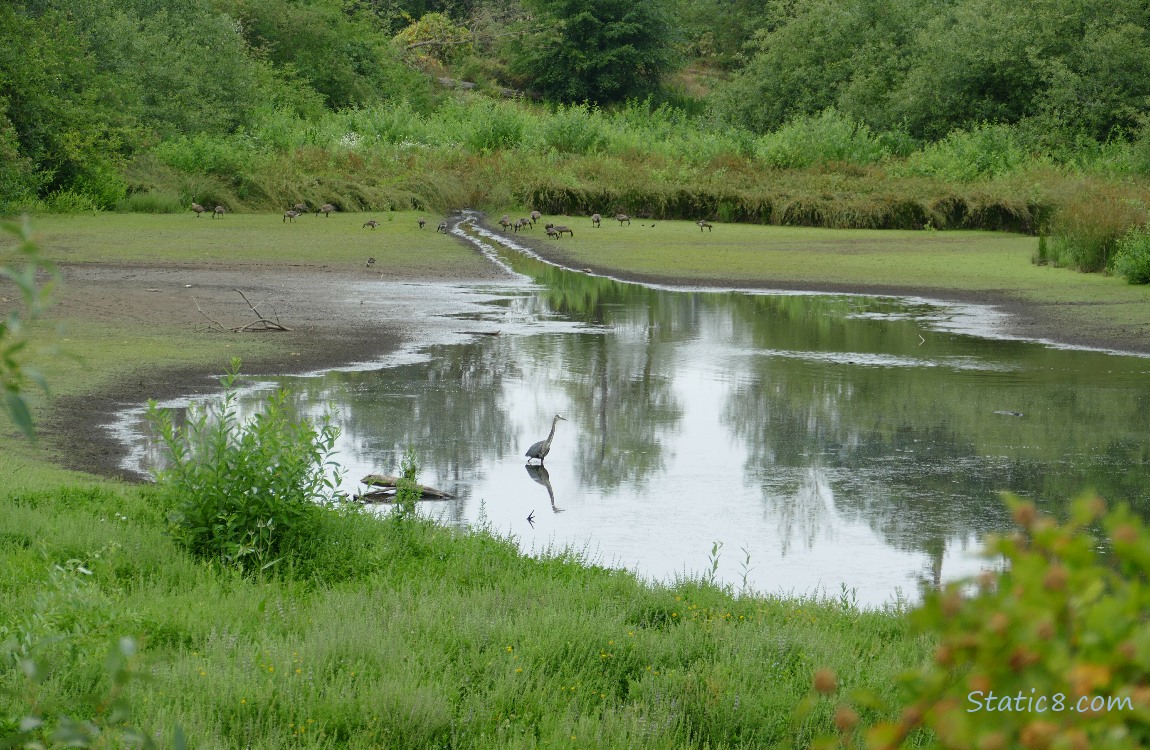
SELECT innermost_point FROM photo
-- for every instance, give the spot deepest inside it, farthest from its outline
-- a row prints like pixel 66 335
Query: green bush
pixel 828 137
pixel 1052 651
pixel 1087 228
pixel 152 202
pixel 245 494
pixel 576 129
pixel 1132 259
pixel 987 150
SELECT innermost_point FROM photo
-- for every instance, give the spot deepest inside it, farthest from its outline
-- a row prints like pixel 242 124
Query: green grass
pixel 243 239
pixel 429 638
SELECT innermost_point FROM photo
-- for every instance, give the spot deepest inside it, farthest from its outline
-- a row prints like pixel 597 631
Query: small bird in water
pixel 543 447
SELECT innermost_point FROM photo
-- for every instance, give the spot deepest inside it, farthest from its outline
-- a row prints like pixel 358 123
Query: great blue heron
pixel 543 447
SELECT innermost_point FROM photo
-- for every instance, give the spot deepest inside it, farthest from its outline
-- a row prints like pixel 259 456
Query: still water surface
pixel 834 440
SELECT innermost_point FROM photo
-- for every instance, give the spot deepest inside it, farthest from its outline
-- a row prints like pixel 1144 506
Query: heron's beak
pixel 563 418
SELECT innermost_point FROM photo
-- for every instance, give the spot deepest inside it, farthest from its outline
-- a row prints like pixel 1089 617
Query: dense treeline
pixel 150 104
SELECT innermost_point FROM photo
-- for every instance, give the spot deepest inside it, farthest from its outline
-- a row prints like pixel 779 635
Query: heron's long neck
pixel 551 436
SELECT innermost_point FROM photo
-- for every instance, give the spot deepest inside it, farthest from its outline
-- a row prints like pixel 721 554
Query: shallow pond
pixel 824 441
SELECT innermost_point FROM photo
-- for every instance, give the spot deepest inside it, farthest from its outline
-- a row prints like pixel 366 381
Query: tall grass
pixel 646 160
pixel 428 637
pixel 1085 231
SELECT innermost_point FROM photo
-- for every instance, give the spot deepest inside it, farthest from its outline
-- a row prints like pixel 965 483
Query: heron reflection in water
pixel 540 475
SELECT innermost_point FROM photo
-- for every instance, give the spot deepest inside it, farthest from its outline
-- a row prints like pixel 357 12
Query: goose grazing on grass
pixel 623 218
pixel 442 227
pixel 543 447
pixel 703 224
pixel 219 212
pixel 290 215
pixel 595 219
pixel 371 223
pixel 326 210
pixel 535 216
pixel 198 209
pixel 422 222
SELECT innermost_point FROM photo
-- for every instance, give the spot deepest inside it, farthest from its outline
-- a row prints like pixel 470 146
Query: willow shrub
pixel 1052 651
pixel 246 494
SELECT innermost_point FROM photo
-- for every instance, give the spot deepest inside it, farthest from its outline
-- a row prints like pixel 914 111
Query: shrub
pixel 822 139
pixel 1086 230
pixel 245 494
pixel 152 202
pixel 1052 651
pixel 572 130
pixel 1132 259
pixel 987 150
pixel 495 127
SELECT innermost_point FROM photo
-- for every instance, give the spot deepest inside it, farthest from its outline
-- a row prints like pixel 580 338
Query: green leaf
pixel 19 414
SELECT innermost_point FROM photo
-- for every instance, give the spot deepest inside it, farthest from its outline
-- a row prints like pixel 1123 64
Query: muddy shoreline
pixel 334 326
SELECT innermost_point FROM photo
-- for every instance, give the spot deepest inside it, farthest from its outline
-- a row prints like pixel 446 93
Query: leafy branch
pixel 25 273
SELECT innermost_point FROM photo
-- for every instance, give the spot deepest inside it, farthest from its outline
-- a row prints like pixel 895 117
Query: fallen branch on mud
pixel 259 324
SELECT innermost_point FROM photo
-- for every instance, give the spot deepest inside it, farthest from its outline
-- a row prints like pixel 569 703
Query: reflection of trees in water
pixel 449 407
pixel 802 507
pixel 916 451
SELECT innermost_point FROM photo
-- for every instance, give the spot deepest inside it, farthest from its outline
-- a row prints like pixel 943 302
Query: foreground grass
pixel 404 634
pixel 990 266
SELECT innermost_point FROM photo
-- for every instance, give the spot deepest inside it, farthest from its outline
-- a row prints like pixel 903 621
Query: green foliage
pixel 1132 259
pixel 596 50
pixel 574 129
pixel 985 150
pixel 15 374
pixel 494 127
pixel 1052 650
pixel 407 488
pixel 435 37
pixel 152 202
pixel 825 138
pixel 245 494
pixel 1086 229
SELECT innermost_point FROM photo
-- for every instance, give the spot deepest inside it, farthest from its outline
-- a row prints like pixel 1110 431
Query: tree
pixel 596 50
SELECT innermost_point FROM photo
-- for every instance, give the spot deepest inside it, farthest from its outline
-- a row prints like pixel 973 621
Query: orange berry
pixel 979 683
pixel 1125 534
pixel 825 681
pixel 1037 735
pixel 846 719
pixel 943 656
pixel 1025 514
pixel 1056 578
pixel 993 741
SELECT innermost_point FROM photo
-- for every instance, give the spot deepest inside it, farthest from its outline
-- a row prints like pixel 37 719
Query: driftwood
pixel 260 324
pixel 389 486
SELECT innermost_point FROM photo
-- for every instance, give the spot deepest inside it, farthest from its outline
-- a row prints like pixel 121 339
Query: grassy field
pixel 339 241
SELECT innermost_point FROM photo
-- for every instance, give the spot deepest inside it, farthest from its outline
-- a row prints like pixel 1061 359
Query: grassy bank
pixel 1088 309
pixel 410 635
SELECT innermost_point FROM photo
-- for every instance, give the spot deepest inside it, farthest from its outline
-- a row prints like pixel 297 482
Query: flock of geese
pixel 555 231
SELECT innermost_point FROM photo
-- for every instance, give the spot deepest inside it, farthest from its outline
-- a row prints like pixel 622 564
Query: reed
pixel 1087 227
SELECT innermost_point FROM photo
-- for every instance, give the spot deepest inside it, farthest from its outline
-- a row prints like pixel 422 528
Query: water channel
pixel 832 440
